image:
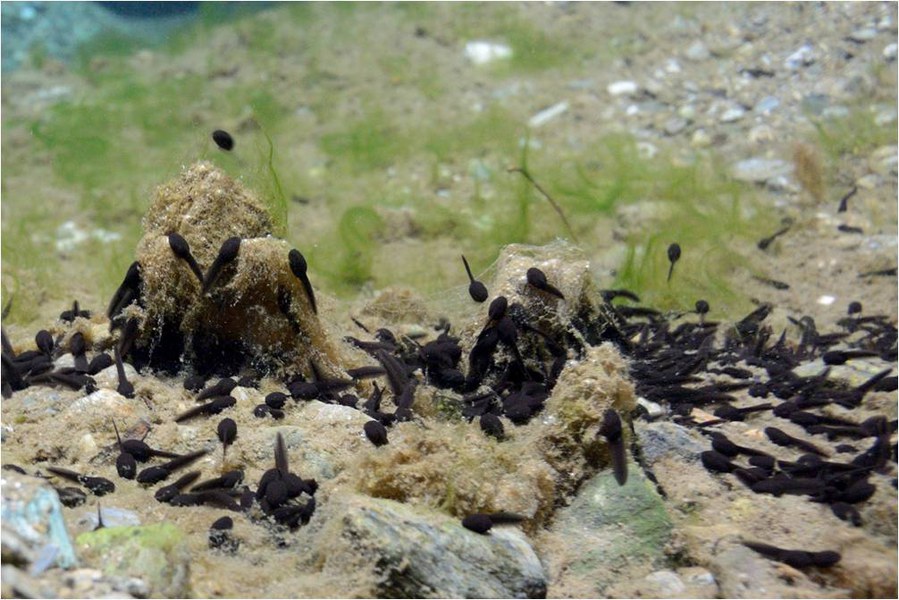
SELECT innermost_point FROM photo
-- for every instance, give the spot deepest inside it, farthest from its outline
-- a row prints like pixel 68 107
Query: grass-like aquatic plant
pixel 444 167
pixel 692 203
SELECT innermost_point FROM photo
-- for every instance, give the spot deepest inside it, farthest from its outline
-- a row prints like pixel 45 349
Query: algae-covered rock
pixel 327 438
pixel 568 436
pixel 457 469
pixel 157 554
pixel 34 532
pixel 667 440
pixel 582 314
pixel 608 531
pixel 416 553
pixel 257 309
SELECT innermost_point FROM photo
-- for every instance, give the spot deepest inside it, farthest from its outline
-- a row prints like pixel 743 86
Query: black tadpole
pixel 765 242
pixel 492 426
pixel 181 249
pixel 77 347
pixel 44 341
pixel 497 308
pixel 223 140
pixel 214 407
pixel 845 199
pixel 125 464
pixel 537 279
pixel 476 289
pixel 611 430
pixel 128 337
pixel 125 387
pixel 375 432
pixel 478 522
pixel 702 309
pixel 100 523
pixel 227 254
pixel 299 267
pixel 227 433
pixel 128 291
pixel 673 257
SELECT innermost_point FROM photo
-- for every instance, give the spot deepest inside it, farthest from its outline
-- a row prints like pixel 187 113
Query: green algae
pixel 156 553
pixel 628 522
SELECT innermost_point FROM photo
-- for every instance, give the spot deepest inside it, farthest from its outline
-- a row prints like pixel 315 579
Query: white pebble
pixel 802 57
pixel 668 582
pixel 653 409
pixel 623 88
pixel 646 150
pixel 733 114
pixel 481 52
pixel 548 114
pixel 697 51
pixel 826 300
pixel 87 446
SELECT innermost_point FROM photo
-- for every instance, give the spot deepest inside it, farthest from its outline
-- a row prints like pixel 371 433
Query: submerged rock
pixel 417 553
pixel 757 170
pixel 254 300
pixel 607 531
pixel 34 532
pixel 156 554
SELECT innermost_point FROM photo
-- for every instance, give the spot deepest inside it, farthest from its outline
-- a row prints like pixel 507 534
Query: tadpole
pixel 476 289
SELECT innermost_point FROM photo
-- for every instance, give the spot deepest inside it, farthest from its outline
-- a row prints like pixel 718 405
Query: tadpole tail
pixel 227 253
pixel 184 460
pixel 127 291
pixel 299 268
pixel 307 288
pixel 281 455
pixel 619 460
pixel 467 269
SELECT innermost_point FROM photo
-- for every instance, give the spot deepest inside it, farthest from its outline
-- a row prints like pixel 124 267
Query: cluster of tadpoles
pixel 668 362
pixel 514 387
pixel 34 367
pixel 512 384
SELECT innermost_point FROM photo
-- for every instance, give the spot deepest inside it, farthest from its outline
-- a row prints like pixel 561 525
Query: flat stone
pixel 766 105
pixel 607 529
pixel 112 517
pixel 109 377
pixel 884 160
pixel 701 139
pixel 482 52
pixel 663 439
pixel 863 35
pixel 420 553
pixel 697 51
pixel 318 448
pixel 802 57
pixel 623 88
pixel 653 409
pixel 675 125
pixel 33 526
pixel 667 583
pixel 548 114
pixel 757 170
pixel 732 114
pixel 156 554
pixel 852 373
